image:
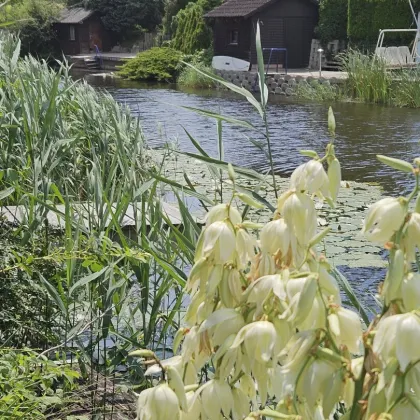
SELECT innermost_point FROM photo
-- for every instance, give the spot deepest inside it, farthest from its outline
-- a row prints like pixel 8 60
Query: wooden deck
pixel 85 211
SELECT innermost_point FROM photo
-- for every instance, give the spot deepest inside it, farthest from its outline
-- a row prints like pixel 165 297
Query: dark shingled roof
pixel 240 8
pixel 74 15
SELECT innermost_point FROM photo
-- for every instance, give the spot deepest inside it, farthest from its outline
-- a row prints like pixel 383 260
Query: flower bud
pixel 334 177
pixel 176 384
pixel 331 121
pixel 299 213
pixel 412 236
pixel 411 292
pixel 394 278
pixel 384 219
pixel 245 248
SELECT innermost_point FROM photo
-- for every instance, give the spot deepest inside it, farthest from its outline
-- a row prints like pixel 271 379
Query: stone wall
pixel 278 84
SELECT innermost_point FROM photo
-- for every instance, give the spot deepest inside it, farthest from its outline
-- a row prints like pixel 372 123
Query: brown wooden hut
pixel 79 30
pixel 284 24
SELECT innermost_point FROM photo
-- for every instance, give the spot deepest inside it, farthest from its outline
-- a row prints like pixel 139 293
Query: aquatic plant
pixel 319 91
pixel 367 77
pixel 406 89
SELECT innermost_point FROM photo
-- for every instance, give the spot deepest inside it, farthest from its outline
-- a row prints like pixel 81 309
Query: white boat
pixel 222 62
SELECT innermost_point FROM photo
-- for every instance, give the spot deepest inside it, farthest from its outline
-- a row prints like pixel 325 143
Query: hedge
pixel 367 17
pixel 332 20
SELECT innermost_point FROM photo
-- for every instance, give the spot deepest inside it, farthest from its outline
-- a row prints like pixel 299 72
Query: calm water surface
pixel 363 131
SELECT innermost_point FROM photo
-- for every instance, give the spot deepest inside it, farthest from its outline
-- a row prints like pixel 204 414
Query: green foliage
pixel 366 18
pixel 125 17
pixel 154 64
pixel 368 79
pixel 33 19
pixel 189 77
pixel 332 20
pixel 406 90
pixel 32 386
pixel 190 31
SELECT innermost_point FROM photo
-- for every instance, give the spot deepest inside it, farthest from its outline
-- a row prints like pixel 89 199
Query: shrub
pixel 155 64
pixel 332 20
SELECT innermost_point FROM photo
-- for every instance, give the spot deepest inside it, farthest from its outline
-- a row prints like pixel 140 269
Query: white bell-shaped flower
pixel 216 399
pixel 384 219
pixel 160 403
pixel 259 340
pixel 194 411
pixel 346 328
pixel 398 337
pixel 276 236
pixel 260 289
pixel 310 177
pixel 317 382
pixel 300 214
pixel 245 248
pixel 334 176
pixel 219 242
pixel 241 404
pixel 405 410
pixel 222 212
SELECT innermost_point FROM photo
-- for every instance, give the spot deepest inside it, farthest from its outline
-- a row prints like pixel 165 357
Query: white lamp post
pixel 320 51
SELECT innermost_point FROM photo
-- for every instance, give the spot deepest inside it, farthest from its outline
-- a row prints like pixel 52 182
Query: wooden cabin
pixel 79 30
pixel 284 24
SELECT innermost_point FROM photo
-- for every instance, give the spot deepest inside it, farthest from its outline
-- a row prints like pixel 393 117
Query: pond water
pixel 363 131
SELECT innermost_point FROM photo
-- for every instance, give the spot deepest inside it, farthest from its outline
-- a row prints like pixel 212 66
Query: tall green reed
pixel 368 79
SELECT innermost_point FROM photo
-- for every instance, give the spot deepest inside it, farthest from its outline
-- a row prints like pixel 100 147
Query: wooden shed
pixel 284 24
pixel 79 30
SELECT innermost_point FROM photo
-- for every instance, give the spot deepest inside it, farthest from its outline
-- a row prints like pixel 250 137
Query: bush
pixel 155 64
pixel 190 77
pixel 332 20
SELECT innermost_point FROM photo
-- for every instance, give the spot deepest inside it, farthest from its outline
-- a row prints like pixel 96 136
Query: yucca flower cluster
pixel 266 316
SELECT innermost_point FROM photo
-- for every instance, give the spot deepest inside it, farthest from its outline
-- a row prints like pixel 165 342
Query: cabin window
pixel 72 33
pixel 234 38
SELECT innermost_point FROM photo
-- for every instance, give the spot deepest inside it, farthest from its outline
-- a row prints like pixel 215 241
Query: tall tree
pixel 124 17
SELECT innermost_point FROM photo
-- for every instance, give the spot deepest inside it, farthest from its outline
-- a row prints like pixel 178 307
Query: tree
pixel 332 20
pixel 190 30
pixel 33 19
pixel 124 17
